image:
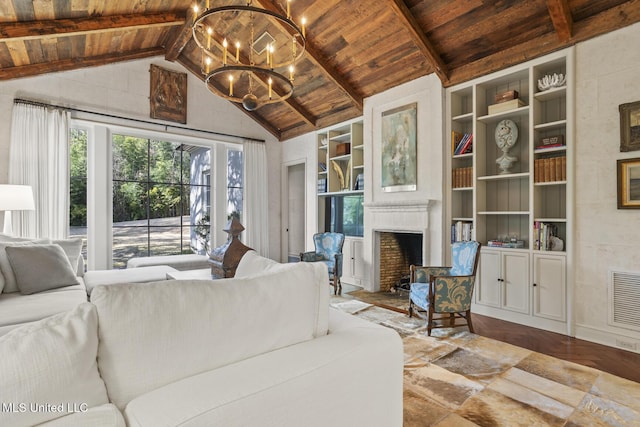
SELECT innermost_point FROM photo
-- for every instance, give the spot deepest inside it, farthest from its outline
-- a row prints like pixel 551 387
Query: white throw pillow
pixel 251 264
pixel 73 248
pixel 49 367
pixel 39 268
pixel 157 333
pixel 8 279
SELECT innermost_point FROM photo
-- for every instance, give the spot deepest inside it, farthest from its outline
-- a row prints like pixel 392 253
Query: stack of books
pixel 506 101
pixel 542 233
pixel 322 185
pixel 518 244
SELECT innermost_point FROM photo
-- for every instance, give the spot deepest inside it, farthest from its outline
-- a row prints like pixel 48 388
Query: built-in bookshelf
pixel 515 198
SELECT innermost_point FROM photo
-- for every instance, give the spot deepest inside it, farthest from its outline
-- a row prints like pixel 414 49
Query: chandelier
pixel 249 53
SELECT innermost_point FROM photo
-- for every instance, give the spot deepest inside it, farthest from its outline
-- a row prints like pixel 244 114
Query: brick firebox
pixel 397 252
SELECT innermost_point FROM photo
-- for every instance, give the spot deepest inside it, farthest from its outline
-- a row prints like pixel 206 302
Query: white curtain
pixel 39 157
pixel 256 197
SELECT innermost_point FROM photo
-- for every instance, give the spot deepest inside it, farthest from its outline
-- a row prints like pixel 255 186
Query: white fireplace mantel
pixel 408 206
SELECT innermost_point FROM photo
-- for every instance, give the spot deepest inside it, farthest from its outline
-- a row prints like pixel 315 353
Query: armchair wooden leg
pixel 469 321
pixel 339 287
pixel 410 307
pixel 429 322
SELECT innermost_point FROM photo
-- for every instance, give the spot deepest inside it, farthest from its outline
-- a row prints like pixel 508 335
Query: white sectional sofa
pixel 38 289
pixel 261 349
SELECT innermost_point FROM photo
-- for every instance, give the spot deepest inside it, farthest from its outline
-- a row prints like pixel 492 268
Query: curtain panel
pixel 256 197
pixel 39 157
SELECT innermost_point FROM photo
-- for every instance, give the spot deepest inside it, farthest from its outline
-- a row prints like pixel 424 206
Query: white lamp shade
pixel 16 198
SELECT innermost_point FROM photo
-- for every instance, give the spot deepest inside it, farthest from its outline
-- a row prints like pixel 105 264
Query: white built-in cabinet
pixel 353 261
pixel 340 172
pixel 524 280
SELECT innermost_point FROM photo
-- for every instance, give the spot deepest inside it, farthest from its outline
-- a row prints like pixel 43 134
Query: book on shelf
pixel 465 144
pixel 550 142
pixel 322 166
pixel 461 231
pixel 322 185
pixel 456 137
pixel 550 169
pixel 506 106
pixel 462 177
pixel 543 234
pixel 518 244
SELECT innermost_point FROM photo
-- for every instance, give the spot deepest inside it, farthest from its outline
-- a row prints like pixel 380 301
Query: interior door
pixel 294 225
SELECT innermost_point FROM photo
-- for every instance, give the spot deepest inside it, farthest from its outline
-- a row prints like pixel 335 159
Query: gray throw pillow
pixel 73 248
pixel 7 279
pixel 39 268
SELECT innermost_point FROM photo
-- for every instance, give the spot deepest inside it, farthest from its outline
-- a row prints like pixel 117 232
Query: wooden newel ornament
pixel 225 259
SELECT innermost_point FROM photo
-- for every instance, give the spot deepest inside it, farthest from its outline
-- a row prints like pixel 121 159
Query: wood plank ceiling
pixel 355 48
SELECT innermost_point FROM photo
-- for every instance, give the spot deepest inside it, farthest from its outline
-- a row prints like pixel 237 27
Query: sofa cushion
pixel 161 332
pixel 251 264
pixel 40 268
pixel 16 309
pixel 180 262
pixel 356 369
pixel 101 416
pixel 51 362
pixel 7 278
pixel 134 275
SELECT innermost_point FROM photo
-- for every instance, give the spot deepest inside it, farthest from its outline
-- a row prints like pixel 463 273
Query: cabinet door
pixel 347 261
pixel 515 281
pixel 358 259
pixel 549 281
pixel 488 286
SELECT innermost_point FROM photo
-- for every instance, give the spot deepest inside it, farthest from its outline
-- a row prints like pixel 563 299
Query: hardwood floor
pixel 615 361
pixel 622 363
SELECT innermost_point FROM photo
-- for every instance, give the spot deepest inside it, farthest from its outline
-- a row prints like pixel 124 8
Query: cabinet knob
pixel 535 285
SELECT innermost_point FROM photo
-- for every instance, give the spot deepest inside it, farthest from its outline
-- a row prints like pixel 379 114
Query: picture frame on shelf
pixel 398 156
pixel 629 183
pixel 629 126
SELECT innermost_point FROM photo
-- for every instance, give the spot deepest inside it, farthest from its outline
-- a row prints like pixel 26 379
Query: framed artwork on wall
pixel 398 151
pixel 629 183
pixel 168 96
pixel 630 126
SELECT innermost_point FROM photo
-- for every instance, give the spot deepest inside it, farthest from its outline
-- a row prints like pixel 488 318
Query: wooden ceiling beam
pixel 561 18
pixel 195 70
pixel 75 63
pixel 420 39
pixel 609 20
pixel 180 37
pixel 316 57
pixel 29 30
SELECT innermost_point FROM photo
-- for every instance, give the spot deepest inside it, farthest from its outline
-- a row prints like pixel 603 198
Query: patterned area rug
pixel 456 378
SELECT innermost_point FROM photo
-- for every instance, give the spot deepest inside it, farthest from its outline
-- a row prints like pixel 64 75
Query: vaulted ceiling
pixel 355 48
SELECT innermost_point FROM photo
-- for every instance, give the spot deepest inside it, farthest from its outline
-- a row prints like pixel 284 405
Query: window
pixel 153 197
pixel 345 214
pixel 234 183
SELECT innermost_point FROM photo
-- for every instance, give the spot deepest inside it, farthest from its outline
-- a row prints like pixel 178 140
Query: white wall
pixel 122 89
pixel 607 70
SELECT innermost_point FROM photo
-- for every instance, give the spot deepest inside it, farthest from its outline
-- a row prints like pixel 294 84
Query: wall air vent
pixel 624 300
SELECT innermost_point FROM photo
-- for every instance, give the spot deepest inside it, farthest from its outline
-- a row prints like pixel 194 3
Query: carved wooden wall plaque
pixel 168 97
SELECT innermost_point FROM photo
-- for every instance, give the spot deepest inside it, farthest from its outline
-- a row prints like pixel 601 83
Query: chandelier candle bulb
pixel 271 51
pixel 224 54
pixel 209 32
pixel 291 70
pixel 304 23
pixel 230 84
pixel 288 9
pixel 237 51
pixel 207 63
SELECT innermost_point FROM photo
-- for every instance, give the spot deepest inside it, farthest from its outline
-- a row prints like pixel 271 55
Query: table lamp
pixel 15 198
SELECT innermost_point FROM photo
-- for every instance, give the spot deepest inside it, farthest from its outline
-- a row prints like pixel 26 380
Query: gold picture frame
pixel 168 97
pixel 629 126
pixel 629 183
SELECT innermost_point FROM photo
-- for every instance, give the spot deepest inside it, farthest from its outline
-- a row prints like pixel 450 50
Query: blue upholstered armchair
pixel 446 291
pixel 328 250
